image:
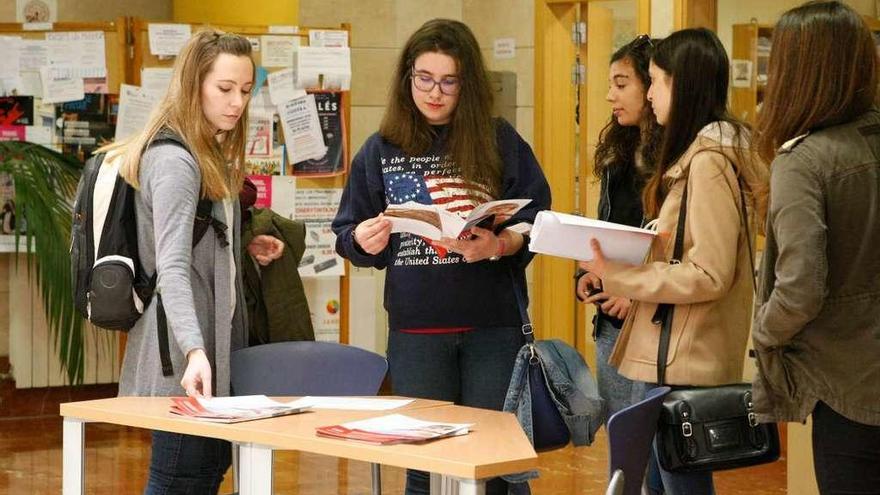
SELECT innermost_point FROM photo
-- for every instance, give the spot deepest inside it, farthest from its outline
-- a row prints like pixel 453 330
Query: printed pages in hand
pixel 230 409
pixel 391 429
pixel 568 236
pixel 435 222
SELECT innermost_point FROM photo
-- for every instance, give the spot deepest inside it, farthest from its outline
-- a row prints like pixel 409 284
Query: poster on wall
pixel 317 208
pixel 30 11
pixel 83 126
pixel 16 110
pixel 333 162
pixel 323 297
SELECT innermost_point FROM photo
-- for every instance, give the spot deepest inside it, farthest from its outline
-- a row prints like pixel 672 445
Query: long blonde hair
pixel 221 163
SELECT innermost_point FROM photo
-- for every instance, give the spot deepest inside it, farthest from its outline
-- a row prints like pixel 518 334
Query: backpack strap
pixel 201 222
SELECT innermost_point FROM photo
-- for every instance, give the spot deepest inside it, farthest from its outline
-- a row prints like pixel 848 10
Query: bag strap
pixel 527 330
pixel 665 311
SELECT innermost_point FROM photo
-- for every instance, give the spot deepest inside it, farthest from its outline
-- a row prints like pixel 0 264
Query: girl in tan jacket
pixel 706 151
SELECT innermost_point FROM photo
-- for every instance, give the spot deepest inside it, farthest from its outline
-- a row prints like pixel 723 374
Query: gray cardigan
pixel 194 282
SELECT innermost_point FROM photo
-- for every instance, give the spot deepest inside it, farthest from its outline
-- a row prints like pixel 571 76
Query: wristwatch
pixel 499 252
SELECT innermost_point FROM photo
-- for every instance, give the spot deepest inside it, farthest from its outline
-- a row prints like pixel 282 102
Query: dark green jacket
pixel 817 332
pixel 277 307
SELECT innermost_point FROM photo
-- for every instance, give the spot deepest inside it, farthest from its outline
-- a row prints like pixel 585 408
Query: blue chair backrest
pixel 630 436
pixel 306 368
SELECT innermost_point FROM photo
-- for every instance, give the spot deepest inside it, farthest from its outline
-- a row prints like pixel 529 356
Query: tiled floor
pixel 116 458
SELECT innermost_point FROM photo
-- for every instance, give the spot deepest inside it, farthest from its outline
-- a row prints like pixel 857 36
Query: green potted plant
pixel 45 182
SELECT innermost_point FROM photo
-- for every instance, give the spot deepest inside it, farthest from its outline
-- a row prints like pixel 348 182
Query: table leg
pixel 73 453
pixel 471 487
pixel 255 462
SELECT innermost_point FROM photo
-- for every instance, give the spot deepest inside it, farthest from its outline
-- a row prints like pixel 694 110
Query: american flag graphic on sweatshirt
pixel 453 193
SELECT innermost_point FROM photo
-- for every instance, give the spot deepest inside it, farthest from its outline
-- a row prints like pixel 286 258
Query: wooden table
pixel 496 445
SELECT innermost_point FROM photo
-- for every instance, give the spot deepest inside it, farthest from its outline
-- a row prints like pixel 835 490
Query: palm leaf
pixel 45 183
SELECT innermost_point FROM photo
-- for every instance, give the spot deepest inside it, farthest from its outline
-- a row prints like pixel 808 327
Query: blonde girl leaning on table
pixel 706 151
pixel 205 111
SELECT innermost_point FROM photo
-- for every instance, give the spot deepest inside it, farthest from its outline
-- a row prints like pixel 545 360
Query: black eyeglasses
pixel 448 86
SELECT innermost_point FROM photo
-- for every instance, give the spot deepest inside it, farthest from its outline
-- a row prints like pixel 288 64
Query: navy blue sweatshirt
pixel 424 289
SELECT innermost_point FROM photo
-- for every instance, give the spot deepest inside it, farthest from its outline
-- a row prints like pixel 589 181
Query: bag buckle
pixel 686 429
pixel 753 420
pixel 533 358
pixel 527 329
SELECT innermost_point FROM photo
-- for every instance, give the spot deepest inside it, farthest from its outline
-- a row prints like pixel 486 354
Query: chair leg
pixel 376 472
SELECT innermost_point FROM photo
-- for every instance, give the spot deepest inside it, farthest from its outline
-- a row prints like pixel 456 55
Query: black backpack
pixel 111 289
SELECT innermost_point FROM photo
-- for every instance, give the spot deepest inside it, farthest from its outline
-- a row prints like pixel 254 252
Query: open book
pixel 231 409
pixel 568 236
pixel 391 429
pixel 435 222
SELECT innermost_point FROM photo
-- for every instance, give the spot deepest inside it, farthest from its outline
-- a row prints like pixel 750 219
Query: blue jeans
pixel 470 368
pixel 617 390
pixel 186 464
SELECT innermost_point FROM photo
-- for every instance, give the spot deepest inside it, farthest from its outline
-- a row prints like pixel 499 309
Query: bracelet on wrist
pixel 499 252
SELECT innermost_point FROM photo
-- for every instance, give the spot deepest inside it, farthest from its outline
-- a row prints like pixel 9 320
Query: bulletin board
pixel 115 42
pixel 141 57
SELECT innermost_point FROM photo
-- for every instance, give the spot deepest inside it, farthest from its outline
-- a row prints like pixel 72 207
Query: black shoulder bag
pixel 708 428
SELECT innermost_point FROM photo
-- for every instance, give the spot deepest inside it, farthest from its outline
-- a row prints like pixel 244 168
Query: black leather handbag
pixel 708 428
pixel 713 428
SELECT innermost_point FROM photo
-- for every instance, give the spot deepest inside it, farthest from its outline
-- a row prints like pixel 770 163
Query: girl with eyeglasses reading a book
pixel 453 315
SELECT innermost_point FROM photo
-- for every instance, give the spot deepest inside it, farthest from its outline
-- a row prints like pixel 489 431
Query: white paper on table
pixel 328 38
pixel 168 39
pixel 239 403
pixel 349 403
pixel 405 425
pixel 10 47
pixel 38 134
pixel 33 54
pixel 155 80
pixel 278 50
pixel 282 87
pixel 332 63
pixel 61 86
pixel 569 236
pixel 302 129
pixel 81 52
pixel 135 107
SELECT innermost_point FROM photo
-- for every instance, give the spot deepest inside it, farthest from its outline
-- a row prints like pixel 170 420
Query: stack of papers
pixel 392 429
pixel 568 236
pixel 231 409
pixel 349 403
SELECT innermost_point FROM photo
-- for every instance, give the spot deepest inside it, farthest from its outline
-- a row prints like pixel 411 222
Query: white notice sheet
pixel 167 39
pixel 135 106
pixel 334 64
pixel 278 50
pixel 302 130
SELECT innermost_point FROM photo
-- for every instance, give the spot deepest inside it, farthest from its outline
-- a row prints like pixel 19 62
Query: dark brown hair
pixel 618 144
pixel 470 143
pixel 696 61
pixel 822 72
